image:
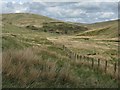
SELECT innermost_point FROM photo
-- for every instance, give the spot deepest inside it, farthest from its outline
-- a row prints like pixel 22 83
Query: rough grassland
pixel 30 59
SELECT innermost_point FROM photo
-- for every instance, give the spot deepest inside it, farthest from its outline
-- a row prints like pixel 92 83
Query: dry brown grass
pixel 16 63
pixel 25 67
pixel 83 47
pixel 40 50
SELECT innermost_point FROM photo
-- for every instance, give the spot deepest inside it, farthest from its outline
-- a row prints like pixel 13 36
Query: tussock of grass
pixel 26 68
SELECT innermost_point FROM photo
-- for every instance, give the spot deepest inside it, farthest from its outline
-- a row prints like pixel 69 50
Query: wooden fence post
pixel 84 57
pixel 92 63
pixel 77 56
pixel 80 57
pixel 115 67
pixel 70 56
pixel 98 63
pixel 105 66
pixel 63 47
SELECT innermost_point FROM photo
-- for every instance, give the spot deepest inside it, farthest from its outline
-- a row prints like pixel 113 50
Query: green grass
pixel 12 42
pixel 92 79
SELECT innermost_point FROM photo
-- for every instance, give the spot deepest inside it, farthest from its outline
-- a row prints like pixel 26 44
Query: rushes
pixel 25 67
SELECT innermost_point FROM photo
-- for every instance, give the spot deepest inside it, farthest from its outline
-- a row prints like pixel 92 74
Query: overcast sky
pixel 83 12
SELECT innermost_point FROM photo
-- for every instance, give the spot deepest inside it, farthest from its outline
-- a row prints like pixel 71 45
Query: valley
pixel 33 53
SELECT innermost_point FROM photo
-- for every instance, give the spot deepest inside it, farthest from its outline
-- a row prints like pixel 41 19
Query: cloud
pixel 13 7
pixel 106 14
pixel 84 12
pixel 75 1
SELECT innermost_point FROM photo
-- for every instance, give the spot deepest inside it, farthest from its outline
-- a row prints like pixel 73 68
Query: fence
pixel 95 63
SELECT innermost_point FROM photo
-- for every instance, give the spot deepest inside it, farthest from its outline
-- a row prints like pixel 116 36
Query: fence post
pixel 115 67
pixel 77 56
pixel 98 63
pixel 83 56
pixel 105 66
pixel 88 61
pixel 70 55
pixel 63 47
pixel 92 63
pixel 80 57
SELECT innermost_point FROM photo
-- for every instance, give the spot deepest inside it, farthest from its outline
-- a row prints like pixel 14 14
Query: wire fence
pixel 95 63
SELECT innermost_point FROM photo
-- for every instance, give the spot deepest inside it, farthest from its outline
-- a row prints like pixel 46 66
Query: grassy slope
pixel 102 39
pixel 102 24
pixel 38 22
pixel 103 29
pixel 25 19
pixel 42 63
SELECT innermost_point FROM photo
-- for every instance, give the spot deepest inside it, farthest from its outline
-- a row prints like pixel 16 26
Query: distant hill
pixel 24 19
pixel 102 29
pixel 46 24
pixel 102 24
pixel 39 22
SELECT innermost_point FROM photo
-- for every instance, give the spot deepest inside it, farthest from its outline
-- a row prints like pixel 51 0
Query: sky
pixel 77 11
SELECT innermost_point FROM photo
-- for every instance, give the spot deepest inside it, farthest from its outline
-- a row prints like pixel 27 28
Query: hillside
pixel 24 19
pixel 36 55
pixel 107 29
pixel 41 23
pixel 102 24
